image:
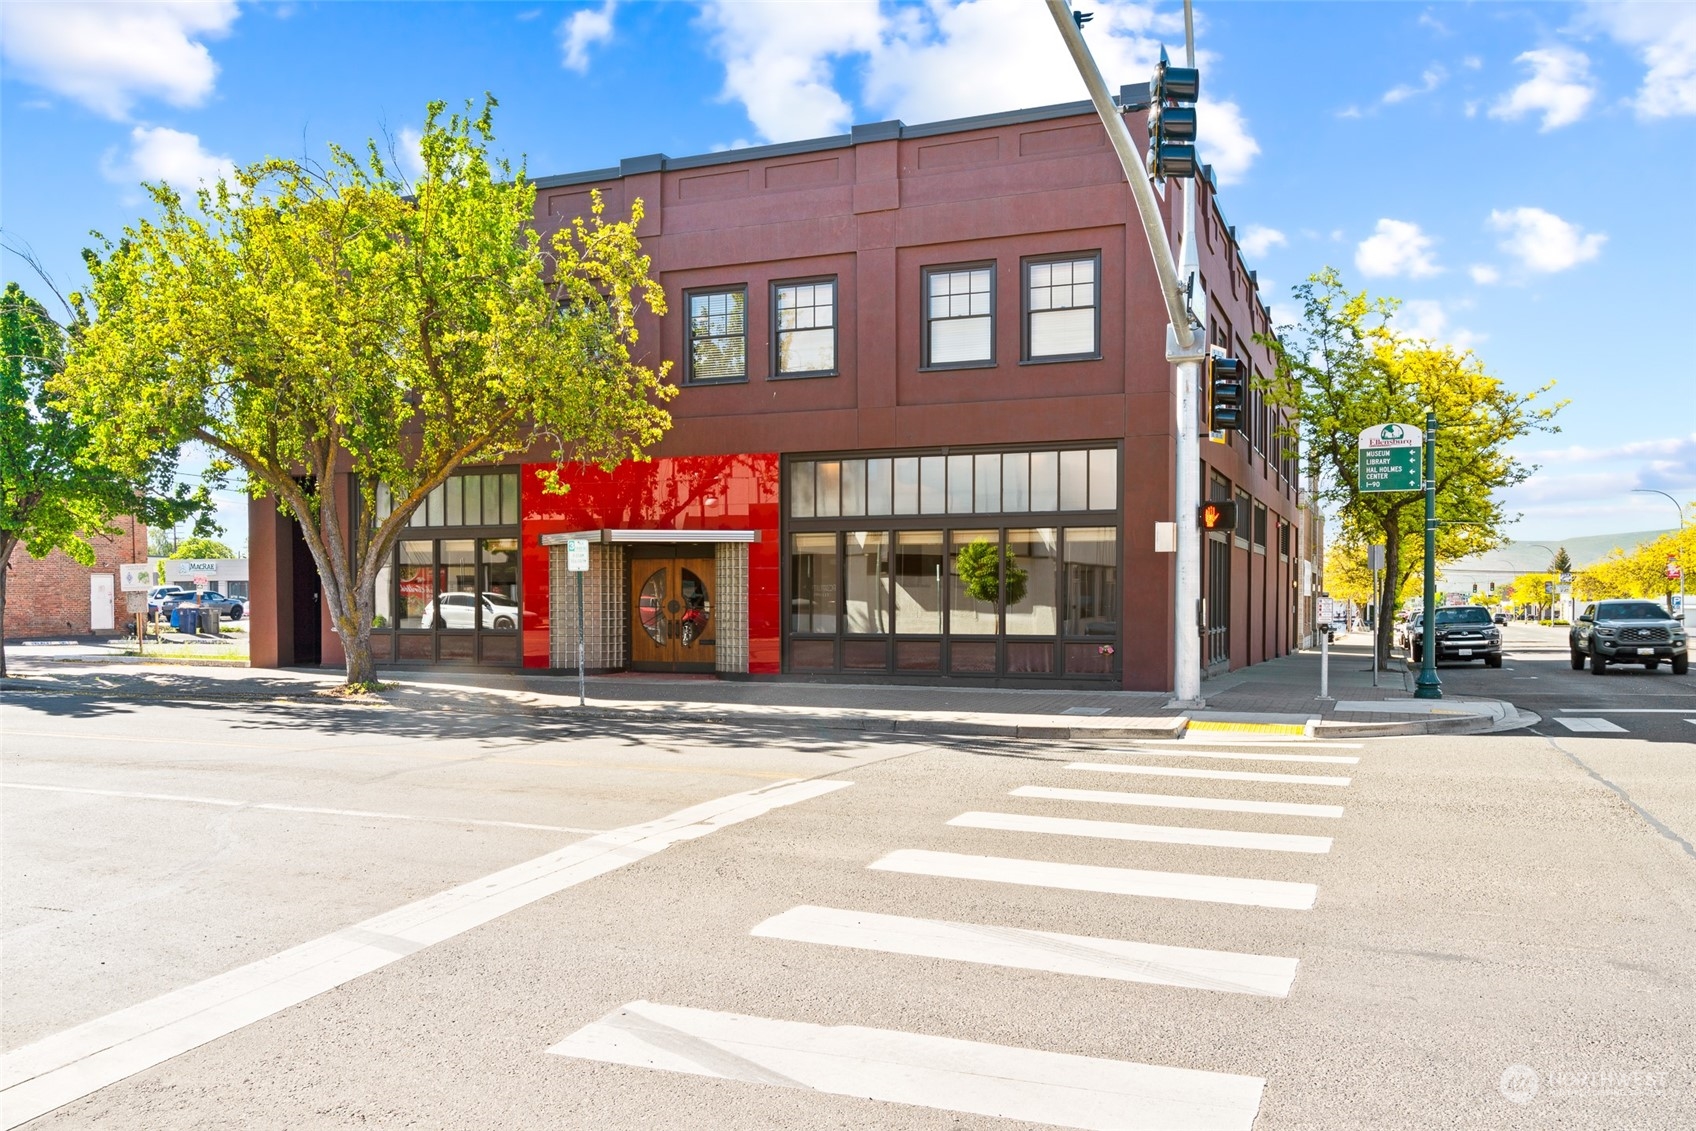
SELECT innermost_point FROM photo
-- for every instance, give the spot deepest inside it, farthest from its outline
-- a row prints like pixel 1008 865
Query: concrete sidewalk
pixel 1271 701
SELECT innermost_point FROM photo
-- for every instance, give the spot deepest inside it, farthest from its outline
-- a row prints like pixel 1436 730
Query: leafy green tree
pixel 308 322
pixel 1345 368
pixel 55 491
pixel 1562 562
pixel 201 548
pixel 982 567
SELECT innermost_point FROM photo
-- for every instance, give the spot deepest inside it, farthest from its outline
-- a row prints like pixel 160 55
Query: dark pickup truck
pixel 1466 633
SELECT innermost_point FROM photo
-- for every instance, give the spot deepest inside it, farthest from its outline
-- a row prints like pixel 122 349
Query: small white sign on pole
pixel 577 555
pixel 135 578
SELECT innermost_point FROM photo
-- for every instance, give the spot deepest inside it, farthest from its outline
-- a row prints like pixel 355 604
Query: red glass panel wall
pixel 704 493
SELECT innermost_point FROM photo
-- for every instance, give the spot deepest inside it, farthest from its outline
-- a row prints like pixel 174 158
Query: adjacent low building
pixel 925 433
pixel 57 596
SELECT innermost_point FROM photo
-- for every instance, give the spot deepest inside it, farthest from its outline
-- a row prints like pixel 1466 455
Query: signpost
pixel 577 562
pixel 1389 458
pixel 137 578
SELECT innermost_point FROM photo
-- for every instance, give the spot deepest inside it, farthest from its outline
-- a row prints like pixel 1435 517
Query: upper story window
pixel 718 335
pixel 805 316
pixel 1062 312
pixel 485 498
pixel 959 316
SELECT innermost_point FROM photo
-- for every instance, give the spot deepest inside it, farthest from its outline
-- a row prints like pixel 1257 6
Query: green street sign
pixel 1389 458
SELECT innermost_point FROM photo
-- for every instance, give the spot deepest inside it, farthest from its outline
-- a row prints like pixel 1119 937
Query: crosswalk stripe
pixel 1237 756
pixel 1215 775
pixel 1186 967
pixel 1174 801
pixel 945 1073
pixel 1591 726
pixel 1157 834
pixel 1109 881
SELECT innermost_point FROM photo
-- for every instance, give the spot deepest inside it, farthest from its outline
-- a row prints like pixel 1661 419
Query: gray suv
pixel 1628 632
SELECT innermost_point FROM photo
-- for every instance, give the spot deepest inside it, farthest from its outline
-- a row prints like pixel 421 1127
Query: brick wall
pixel 48 597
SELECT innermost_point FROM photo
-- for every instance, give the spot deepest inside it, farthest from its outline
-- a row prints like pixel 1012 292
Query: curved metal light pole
pixel 1683 609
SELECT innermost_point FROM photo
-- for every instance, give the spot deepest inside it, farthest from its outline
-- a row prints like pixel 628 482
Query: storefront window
pixel 918 581
pixel 813 586
pixel 866 569
pixel 455 605
pixel 499 588
pixel 382 609
pixel 1092 582
pixel 975 582
pixel 417 584
pixel 1031 563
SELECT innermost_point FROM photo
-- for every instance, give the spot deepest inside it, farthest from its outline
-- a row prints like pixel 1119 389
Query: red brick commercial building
pixel 56 597
pixel 925 432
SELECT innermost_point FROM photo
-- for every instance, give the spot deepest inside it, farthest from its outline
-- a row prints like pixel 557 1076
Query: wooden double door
pixel 672 627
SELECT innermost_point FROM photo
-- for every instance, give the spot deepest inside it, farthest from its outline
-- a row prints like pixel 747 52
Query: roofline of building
pixel 1131 97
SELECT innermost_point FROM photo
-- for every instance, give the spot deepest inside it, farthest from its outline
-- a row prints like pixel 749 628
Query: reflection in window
pixel 417 584
pixel 718 336
pixel 1092 582
pixel 812 582
pixel 383 610
pixel 865 565
pixel 918 581
pixel 1030 609
pixel 499 588
pixel 456 598
pixel 974 573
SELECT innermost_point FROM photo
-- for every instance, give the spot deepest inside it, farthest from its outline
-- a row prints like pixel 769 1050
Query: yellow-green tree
pixel 1345 368
pixel 307 322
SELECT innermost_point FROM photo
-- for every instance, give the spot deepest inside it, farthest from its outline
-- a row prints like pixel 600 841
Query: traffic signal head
pixel 1171 127
pixel 1218 514
pixel 1227 392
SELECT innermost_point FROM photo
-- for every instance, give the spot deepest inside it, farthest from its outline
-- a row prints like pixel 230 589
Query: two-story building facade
pixel 925 432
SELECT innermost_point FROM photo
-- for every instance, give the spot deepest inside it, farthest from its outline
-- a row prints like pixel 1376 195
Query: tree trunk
pixel 1385 628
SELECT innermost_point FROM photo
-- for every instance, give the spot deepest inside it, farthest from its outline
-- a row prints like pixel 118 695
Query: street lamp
pixel 1680 506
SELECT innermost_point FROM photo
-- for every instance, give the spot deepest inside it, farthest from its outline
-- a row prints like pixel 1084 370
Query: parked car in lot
pixel 1628 632
pixel 159 595
pixel 1464 632
pixel 227 606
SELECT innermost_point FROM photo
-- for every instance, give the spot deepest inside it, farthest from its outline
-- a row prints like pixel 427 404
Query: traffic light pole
pixel 1428 686
pixel 1186 347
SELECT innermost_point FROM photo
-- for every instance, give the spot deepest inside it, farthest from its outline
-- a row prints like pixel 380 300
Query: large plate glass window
pixel 718 335
pixel 806 328
pixel 959 316
pixel 1062 308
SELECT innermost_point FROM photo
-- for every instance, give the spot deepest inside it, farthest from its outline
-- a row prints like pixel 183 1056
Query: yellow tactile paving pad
pixel 1254 728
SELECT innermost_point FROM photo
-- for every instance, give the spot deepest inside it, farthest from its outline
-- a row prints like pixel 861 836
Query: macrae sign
pixel 1389 458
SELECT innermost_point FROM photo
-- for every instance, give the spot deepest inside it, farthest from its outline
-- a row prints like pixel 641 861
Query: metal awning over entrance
pixel 661 536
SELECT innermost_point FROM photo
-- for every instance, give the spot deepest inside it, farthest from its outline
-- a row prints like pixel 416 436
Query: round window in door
pixel 697 608
pixel 651 606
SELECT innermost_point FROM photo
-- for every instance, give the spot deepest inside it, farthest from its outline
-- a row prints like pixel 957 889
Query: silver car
pixel 1628 632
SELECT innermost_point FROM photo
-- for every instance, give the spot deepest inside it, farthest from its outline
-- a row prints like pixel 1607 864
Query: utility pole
pixel 1683 608
pixel 1186 348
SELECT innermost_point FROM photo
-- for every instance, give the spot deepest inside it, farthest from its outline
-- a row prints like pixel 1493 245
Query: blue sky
pixel 1520 174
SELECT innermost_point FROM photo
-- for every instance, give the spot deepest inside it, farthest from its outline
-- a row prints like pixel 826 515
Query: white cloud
pixel 107 56
pixel 176 158
pixel 1429 80
pixel 1396 247
pixel 1257 240
pixel 1426 321
pixel 1472 63
pixel 778 61
pixel 1665 37
pixel 925 63
pixel 1559 88
pixel 1483 274
pixel 1543 241
pixel 1350 112
pixel 585 28
pixel 409 151
pixel 1573 475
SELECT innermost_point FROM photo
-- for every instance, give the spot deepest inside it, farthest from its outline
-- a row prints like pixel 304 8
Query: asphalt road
pixel 1489 931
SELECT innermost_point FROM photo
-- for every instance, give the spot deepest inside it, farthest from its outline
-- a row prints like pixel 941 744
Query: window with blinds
pixel 1062 308
pixel 718 335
